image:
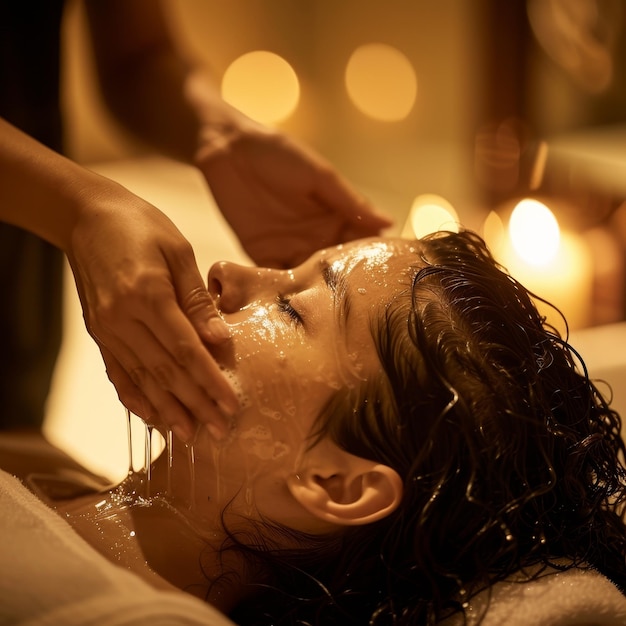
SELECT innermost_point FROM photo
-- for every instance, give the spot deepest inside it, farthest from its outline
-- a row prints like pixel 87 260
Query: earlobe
pixel 347 490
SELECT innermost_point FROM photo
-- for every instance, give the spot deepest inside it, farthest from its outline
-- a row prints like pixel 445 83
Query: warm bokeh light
pixel 430 213
pixel 493 230
pixel 582 37
pixel 556 266
pixel 497 151
pixel 262 85
pixel 566 280
pixel 381 82
pixel 534 232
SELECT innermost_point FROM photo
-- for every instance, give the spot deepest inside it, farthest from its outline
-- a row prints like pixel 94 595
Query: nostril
pixel 215 287
pixel 228 284
pixel 221 284
pixel 215 280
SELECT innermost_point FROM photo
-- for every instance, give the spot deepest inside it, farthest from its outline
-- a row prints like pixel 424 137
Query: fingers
pixel 176 354
pixel 128 393
pixel 155 353
pixel 174 383
pixel 195 301
pixel 171 413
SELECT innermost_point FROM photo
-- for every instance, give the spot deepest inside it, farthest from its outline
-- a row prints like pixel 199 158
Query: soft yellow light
pixel 262 85
pixel 493 231
pixel 430 213
pixel 566 280
pixel 381 82
pixel 534 232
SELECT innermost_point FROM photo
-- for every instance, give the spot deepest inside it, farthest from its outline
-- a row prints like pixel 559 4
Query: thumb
pixel 199 307
pixel 196 302
pixel 216 330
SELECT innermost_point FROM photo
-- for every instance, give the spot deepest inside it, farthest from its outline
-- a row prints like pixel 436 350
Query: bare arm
pixel 282 200
pixel 143 74
pixel 143 299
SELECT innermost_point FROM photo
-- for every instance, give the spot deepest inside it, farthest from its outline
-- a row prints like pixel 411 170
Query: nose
pixel 235 286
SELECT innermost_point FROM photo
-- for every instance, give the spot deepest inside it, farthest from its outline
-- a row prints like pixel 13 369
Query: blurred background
pixel 508 117
pixel 474 105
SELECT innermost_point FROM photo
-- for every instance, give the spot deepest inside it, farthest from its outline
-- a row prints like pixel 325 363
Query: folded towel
pixel 574 597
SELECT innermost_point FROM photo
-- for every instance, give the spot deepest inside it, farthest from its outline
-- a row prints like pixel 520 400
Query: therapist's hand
pixel 283 201
pixel 146 305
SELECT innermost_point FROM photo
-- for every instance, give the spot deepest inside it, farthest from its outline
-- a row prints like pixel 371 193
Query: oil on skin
pixel 292 348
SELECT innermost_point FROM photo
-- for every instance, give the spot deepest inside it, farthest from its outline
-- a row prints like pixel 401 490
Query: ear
pixel 344 489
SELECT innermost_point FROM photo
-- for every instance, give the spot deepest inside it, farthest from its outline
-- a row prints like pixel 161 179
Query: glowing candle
pixel 552 264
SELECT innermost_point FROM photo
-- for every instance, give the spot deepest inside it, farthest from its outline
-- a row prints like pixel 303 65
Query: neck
pixel 157 534
pixel 157 529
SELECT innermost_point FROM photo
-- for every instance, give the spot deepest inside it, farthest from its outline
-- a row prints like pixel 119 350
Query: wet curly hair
pixel 511 458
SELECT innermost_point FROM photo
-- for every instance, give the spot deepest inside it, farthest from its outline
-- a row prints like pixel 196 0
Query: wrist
pixel 220 124
pixel 79 194
pixel 89 199
pixel 43 191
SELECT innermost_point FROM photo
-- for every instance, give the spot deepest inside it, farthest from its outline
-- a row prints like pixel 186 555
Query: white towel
pixel 574 597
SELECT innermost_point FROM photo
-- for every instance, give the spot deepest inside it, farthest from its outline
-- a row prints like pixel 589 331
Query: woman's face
pixel 298 336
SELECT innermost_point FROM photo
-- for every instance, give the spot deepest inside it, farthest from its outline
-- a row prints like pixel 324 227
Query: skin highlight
pixel 435 438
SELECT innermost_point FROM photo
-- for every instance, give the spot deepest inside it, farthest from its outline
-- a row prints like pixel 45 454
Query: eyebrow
pixel 337 282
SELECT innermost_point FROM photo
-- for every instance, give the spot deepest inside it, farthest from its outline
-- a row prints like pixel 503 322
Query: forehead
pixel 371 251
pixel 372 258
pixel 369 275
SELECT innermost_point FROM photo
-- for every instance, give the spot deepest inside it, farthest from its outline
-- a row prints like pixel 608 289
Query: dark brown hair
pixel 511 458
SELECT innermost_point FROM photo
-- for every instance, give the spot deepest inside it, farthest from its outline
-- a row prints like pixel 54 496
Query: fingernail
pixel 218 328
pixel 227 409
pixel 216 432
pixel 182 433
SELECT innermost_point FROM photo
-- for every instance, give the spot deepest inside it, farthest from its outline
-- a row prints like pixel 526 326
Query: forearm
pixel 148 82
pixel 147 98
pixel 40 190
pixel 144 300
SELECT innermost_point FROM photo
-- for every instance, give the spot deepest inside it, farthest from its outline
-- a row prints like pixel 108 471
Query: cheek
pixel 265 351
pixel 284 379
pixel 278 368
pixel 269 357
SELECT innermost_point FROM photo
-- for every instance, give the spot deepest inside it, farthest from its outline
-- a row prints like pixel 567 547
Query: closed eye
pixel 285 308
